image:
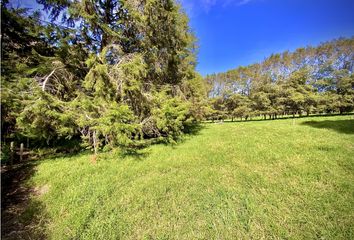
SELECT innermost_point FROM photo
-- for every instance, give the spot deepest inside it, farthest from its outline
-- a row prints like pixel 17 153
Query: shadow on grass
pixel 138 151
pixel 137 155
pixel 193 129
pixel 189 131
pixel 341 126
pixel 275 119
pixel 20 213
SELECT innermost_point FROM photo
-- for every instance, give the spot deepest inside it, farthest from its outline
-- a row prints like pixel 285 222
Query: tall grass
pixel 269 179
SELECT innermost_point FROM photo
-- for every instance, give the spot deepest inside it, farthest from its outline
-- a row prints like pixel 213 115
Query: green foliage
pixel 45 118
pixel 5 154
pixel 169 114
pixel 126 75
pixel 195 90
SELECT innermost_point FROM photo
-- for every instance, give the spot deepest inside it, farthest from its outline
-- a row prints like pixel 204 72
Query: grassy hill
pixel 264 179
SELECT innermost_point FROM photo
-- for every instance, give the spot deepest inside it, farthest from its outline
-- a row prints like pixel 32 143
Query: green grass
pixel 266 179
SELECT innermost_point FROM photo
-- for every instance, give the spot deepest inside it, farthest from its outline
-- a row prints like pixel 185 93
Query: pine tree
pixel 119 73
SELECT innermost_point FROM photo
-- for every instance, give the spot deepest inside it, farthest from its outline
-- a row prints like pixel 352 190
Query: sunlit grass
pixel 268 179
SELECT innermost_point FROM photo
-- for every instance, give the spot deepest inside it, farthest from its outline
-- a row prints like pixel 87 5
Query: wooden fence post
pixel 21 152
pixel 12 153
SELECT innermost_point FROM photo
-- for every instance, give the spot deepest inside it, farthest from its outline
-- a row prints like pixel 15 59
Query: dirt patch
pixel 39 191
pixel 16 223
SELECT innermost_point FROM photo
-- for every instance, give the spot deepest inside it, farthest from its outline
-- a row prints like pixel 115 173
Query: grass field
pixel 267 179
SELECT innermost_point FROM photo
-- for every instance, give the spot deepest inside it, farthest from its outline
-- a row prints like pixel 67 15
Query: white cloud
pixel 235 2
pixel 199 5
pixel 207 4
pixel 195 7
pixel 243 2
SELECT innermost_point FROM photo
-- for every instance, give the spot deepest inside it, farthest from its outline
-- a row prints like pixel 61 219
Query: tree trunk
pixel 95 147
pixel 21 152
pixel 95 142
pixel 12 153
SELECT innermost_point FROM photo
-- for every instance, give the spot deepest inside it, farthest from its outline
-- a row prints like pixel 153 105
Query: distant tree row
pixel 308 80
pixel 112 72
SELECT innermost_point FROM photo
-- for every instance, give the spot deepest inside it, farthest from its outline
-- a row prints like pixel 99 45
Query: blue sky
pixel 240 32
pixel 232 33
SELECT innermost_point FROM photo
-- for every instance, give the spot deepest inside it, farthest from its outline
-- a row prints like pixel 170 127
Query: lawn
pixel 274 179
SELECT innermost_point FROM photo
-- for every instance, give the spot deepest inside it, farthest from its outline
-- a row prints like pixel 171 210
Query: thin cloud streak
pixel 195 7
pixel 243 2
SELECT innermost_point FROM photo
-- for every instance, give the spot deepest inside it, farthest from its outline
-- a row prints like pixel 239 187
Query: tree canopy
pixel 308 80
pixel 114 72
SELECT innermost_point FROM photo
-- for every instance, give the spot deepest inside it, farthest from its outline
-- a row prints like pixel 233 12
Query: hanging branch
pixel 47 78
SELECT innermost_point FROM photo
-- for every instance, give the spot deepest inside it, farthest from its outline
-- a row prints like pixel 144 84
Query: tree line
pixel 121 73
pixel 309 80
pixel 111 73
